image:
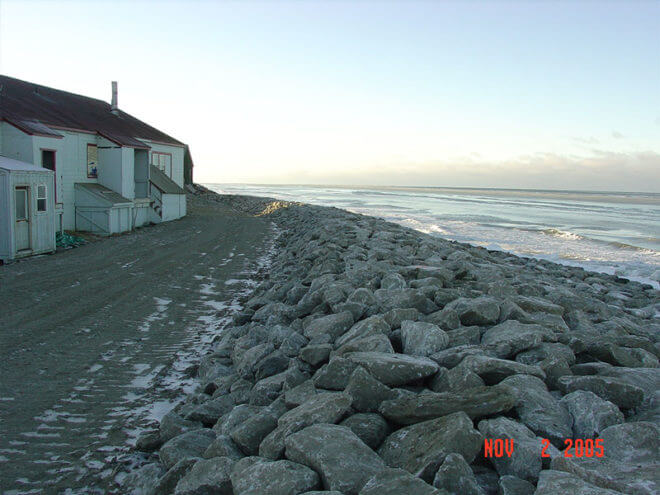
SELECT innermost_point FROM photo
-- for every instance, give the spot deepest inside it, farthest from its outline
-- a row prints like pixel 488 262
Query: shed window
pixel 21 203
pixel 41 198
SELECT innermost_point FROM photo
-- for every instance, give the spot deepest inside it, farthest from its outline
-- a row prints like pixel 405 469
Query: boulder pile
pixel 375 359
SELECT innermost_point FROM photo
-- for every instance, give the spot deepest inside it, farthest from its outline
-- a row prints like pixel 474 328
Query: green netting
pixel 67 240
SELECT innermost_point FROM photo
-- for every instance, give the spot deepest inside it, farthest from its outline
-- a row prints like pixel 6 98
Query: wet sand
pixel 98 342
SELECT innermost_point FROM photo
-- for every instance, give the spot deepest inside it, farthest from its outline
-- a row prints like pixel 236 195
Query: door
pixel 22 227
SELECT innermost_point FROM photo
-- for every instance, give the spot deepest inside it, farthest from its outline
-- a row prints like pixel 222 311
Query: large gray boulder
pixel 511 485
pixel 552 482
pixel 545 350
pixel 333 325
pixel 326 407
pixel 450 358
pixel 421 448
pixel 395 317
pixel 539 410
pixel 621 393
pixel 446 318
pixel 371 428
pixel 480 311
pixel 464 336
pixel 142 480
pixel 511 337
pixel 389 299
pixel 394 369
pixel 590 413
pixel 173 425
pixel 185 446
pixel 257 476
pixel 374 325
pixel 525 462
pixel 631 357
pixel 396 482
pixel 393 281
pixel 373 343
pixel 476 402
pixel 249 434
pixel 223 446
pixel 629 463
pixel 315 354
pixel 207 477
pixel 211 410
pixel 248 359
pixel 335 374
pixel 538 305
pixel 422 339
pixel 235 417
pixel 342 460
pixel 366 392
pixel 268 389
pixel 493 370
pixel 167 483
pixel 299 394
pixel 456 477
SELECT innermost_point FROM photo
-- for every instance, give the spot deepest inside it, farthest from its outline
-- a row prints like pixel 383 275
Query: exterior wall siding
pixel 70 165
pixel 42 224
pixel 116 170
pixel 16 144
pixel 6 237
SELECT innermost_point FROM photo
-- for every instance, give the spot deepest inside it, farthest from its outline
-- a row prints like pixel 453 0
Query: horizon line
pixel 479 188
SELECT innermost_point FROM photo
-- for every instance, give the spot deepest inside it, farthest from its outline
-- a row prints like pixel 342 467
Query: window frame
pixel 87 161
pixel 44 199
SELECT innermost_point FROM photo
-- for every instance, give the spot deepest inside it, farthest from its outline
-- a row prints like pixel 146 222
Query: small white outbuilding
pixel 27 225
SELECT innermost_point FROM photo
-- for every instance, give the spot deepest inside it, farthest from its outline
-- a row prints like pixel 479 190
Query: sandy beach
pixel 359 357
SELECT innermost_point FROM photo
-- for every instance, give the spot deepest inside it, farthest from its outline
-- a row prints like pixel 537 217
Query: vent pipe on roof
pixel 113 106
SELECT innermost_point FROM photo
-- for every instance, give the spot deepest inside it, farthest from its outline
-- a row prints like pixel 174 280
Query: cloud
pixel 583 140
pixel 617 135
pixel 600 170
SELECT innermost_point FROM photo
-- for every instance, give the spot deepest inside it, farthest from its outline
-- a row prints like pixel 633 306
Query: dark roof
pixel 163 182
pixel 103 193
pixel 42 110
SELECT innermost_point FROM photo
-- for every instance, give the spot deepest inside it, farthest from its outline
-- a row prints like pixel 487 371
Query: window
pixel 21 203
pixel 163 162
pixel 48 159
pixel 92 161
pixel 41 198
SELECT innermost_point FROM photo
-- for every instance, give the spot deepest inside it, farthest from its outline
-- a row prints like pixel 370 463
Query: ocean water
pixel 609 232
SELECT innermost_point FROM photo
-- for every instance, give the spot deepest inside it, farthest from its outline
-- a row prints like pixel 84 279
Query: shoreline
pixel 546 237
pixel 365 333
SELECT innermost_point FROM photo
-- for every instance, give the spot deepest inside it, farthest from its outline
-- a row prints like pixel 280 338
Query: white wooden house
pixel 102 158
pixel 27 209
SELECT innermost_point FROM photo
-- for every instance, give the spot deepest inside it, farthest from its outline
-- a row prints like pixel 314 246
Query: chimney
pixel 113 105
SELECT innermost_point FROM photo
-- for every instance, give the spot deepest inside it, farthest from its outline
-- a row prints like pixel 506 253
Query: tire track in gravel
pixel 97 343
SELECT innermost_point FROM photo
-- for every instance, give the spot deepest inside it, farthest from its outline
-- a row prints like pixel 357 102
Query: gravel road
pixel 97 342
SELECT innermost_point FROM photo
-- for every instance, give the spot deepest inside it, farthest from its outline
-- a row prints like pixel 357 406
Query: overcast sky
pixel 561 94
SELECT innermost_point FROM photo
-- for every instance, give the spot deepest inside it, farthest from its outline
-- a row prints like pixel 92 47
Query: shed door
pixel 22 228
